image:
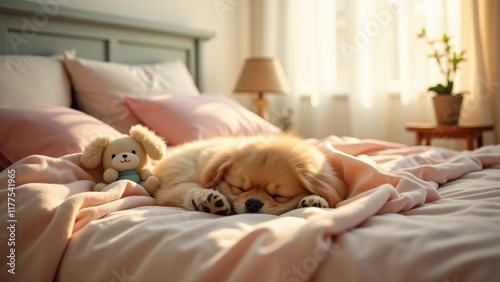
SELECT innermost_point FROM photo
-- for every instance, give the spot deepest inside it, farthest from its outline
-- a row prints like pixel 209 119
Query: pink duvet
pixel 395 225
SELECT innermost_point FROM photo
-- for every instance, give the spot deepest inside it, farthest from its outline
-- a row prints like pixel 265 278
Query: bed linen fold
pixel 53 199
pixel 63 229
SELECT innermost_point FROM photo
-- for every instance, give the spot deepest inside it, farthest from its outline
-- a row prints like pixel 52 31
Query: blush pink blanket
pixel 61 230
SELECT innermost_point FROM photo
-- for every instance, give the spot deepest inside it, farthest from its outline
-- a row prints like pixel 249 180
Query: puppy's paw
pixel 211 201
pixel 313 201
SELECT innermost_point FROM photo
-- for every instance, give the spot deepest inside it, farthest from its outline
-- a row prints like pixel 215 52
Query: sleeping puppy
pixel 269 174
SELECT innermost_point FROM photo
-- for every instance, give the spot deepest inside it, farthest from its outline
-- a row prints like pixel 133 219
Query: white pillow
pixel 101 86
pixel 33 80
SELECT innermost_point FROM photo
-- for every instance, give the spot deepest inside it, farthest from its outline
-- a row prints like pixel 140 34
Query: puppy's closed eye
pixel 237 190
pixel 280 199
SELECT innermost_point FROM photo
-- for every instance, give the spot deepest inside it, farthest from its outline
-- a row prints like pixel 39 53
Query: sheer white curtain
pixel 477 29
pixel 356 67
pixel 488 16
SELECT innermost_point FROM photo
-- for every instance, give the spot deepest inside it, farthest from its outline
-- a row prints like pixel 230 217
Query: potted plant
pixel 447 104
pixel 285 119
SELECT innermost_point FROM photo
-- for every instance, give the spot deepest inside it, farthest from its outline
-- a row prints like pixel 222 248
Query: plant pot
pixel 447 108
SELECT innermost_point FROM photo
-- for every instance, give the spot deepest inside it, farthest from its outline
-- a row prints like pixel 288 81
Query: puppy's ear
pixel 215 168
pixel 324 183
pixel 92 155
pixel 152 143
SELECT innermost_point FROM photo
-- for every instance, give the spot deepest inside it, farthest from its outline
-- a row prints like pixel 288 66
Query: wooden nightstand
pixel 426 132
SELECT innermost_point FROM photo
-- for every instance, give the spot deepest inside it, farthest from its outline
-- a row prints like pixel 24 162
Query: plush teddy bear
pixel 126 157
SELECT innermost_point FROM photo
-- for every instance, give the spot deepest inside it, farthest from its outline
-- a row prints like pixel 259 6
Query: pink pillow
pixel 181 119
pixel 46 130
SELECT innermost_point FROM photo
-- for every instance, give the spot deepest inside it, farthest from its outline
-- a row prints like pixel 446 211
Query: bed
pixel 413 213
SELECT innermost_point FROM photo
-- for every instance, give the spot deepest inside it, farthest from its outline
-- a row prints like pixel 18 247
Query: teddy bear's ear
pixel 92 155
pixel 152 143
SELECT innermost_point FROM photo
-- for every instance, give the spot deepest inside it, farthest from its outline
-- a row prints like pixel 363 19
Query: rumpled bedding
pixel 412 214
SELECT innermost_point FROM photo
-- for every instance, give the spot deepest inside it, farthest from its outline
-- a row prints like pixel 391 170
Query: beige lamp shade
pixel 262 75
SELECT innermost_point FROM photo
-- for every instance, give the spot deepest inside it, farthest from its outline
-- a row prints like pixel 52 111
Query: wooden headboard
pixel 29 28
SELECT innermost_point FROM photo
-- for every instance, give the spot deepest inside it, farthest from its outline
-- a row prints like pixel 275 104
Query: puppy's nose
pixel 253 205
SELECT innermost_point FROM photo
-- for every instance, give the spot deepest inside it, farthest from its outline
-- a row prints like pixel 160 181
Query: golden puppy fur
pixel 269 174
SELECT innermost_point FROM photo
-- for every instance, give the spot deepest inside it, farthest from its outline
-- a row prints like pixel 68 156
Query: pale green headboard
pixel 36 29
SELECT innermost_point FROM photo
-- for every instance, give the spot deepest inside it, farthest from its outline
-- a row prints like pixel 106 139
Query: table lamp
pixel 261 75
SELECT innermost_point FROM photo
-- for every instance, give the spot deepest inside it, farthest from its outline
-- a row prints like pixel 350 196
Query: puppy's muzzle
pixel 253 205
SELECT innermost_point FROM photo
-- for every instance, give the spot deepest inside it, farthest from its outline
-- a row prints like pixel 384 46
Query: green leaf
pixel 441 89
pixel 422 33
pixel 445 38
pixel 449 87
pixel 438 89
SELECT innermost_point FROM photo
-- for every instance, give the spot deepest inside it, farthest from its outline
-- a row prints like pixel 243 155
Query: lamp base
pixel 261 105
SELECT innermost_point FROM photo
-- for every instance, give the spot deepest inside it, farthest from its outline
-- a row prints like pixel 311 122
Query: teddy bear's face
pixel 124 154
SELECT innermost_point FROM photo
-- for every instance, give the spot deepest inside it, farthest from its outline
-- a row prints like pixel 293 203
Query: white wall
pixel 223 55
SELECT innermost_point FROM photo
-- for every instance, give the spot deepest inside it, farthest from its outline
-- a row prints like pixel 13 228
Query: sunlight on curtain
pixel 476 106
pixel 364 50
pixel 489 34
pixel 313 48
pixel 416 71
